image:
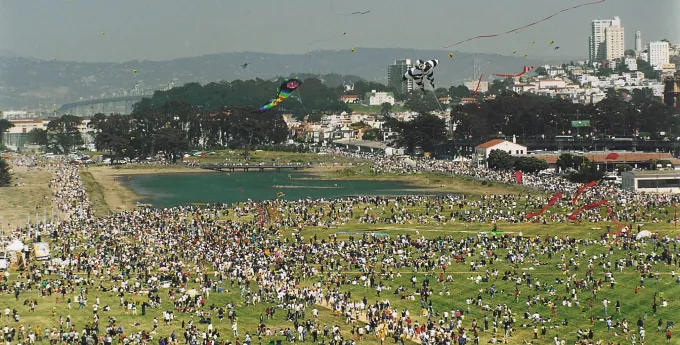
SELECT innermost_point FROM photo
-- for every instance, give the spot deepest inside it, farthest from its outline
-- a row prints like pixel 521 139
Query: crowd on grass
pixel 169 267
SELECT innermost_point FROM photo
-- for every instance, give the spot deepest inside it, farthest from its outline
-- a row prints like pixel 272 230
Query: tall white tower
pixel 638 41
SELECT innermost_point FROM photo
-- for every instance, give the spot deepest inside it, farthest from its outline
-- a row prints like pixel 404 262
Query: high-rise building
pixel 395 73
pixel 614 42
pixel 638 41
pixel 597 49
pixel 659 54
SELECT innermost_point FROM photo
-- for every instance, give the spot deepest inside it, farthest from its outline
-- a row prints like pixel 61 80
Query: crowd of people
pixel 175 263
pixel 627 206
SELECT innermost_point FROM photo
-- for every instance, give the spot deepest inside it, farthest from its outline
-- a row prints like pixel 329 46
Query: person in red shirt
pixel 668 336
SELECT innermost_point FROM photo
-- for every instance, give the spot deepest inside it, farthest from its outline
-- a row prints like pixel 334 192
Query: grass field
pixel 30 198
pixel 100 183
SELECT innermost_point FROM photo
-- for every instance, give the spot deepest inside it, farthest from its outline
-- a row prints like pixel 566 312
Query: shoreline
pixel 112 191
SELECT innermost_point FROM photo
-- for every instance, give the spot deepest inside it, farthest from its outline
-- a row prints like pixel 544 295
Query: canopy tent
pixel 643 234
pixel 15 246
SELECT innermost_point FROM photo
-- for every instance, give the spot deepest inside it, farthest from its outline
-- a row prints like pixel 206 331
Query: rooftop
pixel 654 173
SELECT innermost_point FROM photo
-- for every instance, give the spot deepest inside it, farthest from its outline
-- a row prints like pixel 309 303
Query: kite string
pixel 436 99
pixel 527 25
pixel 300 100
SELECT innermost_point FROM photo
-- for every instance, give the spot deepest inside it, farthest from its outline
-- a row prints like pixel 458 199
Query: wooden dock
pixel 254 167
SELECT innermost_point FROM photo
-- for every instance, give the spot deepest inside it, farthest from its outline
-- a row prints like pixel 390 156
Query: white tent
pixel 15 246
pixel 643 234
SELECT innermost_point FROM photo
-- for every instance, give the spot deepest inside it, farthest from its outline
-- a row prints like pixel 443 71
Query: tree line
pixel 172 129
pixel 620 114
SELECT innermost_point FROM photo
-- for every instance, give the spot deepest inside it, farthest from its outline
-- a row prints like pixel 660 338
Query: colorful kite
pixel 422 69
pixel 284 91
pixel 527 25
pixel 552 201
pixel 581 189
pixel 525 70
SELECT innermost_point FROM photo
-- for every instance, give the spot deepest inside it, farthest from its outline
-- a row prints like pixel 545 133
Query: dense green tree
pixel 373 134
pixel 63 134
pixel 172 142
pixel 530 164
pixel 568 160
pixel 421 103
pixel 5 176
pixel 385 109
pixel 587 173
pixel 38 136
pixel 5 125
pixel 500 160
pixel 644 67
pixel 604 72
pixel 424 131
pixel 458 92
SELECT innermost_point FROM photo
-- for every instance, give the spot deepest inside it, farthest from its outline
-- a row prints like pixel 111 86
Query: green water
pixel 168 190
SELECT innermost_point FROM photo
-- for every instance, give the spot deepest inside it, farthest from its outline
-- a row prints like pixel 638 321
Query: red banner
pixel 580 190
pixel 518 177
pixel 552 201
pixel 590 206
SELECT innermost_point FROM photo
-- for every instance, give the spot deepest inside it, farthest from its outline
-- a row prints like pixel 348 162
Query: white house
pixel 378 98
pixel 482 150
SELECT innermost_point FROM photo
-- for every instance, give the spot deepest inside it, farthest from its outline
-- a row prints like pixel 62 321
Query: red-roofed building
pixel 350 99
pixel 482 150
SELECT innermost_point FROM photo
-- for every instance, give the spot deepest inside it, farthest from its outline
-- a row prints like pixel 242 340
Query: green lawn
pixel 447 296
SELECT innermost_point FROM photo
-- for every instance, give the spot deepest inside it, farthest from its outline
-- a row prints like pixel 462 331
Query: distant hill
pixel 27 81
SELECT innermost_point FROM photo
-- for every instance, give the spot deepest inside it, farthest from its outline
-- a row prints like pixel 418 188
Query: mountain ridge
pixel 28 81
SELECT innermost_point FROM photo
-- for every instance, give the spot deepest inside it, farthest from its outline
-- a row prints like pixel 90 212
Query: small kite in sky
pixel 354 13
pixel 245 65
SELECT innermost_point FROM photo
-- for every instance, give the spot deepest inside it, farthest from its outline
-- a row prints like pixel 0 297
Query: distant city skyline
pixel 124 30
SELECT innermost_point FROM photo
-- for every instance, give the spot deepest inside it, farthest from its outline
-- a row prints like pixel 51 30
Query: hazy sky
pixel 167 29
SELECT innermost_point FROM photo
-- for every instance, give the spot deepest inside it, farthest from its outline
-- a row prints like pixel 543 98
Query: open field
pixel 545 264
pixel 446 295
pixel 31 197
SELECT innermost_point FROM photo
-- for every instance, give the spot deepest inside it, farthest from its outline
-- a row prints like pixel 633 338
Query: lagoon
pixel 168 190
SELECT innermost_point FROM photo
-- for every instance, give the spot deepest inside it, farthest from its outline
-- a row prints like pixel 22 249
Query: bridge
pixel 106 105
pixel 255 167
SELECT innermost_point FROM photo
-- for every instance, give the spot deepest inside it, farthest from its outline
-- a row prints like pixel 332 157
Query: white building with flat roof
pixel 597 41
pixel 659 53
pixel 653 181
